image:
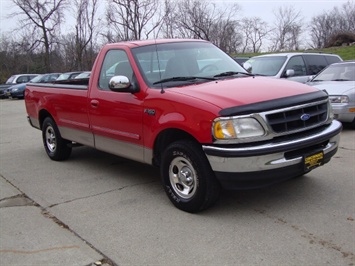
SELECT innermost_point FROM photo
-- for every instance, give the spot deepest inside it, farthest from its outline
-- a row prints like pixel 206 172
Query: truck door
pixel 116 118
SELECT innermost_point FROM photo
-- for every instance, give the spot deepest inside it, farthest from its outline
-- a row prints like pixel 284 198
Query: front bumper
pixel 259 165
pixel 344 112
pixel 3 94
pixel 16 93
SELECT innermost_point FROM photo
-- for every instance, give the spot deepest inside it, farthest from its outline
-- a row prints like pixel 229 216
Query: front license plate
pixel 312 161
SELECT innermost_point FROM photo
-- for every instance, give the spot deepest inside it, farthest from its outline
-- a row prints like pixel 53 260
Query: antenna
pixel 156 50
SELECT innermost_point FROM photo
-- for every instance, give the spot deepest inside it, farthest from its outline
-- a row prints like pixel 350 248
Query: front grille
pixel 290 120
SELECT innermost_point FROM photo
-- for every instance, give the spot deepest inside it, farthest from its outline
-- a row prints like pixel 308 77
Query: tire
pixel 352 124
pixel 57 148
pixel 187 177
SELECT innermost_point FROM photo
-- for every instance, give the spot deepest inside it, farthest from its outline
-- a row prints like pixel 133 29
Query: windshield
pixel 10 80
pixel 267 65
pixel 36 79
pixel 173 64
pixel 83 75
pixel 337 72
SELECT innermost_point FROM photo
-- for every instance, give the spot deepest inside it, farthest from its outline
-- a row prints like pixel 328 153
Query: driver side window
pixel 297 64
pixel 116 63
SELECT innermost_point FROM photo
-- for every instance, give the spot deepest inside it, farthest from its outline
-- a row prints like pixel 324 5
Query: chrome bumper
pixel 271 156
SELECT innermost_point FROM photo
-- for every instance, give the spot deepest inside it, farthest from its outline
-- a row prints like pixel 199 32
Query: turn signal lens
pixel 224 129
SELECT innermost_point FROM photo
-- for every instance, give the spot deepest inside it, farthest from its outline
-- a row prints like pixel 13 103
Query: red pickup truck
pixel 191 110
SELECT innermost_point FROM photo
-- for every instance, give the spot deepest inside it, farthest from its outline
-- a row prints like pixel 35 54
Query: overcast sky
pixel 250 8
pixel 264 8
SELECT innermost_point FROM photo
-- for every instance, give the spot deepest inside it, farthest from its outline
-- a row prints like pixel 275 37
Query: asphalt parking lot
pixel 97 208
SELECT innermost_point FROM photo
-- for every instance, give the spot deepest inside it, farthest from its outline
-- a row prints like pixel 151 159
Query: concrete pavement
pixel 31 236
pixel 97 207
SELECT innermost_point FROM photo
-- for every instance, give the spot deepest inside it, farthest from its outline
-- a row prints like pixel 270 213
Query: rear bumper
pixel 260 165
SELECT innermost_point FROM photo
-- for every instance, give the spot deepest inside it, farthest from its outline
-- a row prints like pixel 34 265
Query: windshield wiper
pixel 182 79
pixel 231 73
pixel 340 80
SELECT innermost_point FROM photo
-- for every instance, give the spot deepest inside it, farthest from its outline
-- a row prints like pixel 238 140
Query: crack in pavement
pixel 37 251
pixel 23 200
pixel 99 194
pixel 16 201
pixel 313 239
pixel 347 149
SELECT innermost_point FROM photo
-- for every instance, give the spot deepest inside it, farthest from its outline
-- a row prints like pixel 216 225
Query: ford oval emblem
pixel 305 117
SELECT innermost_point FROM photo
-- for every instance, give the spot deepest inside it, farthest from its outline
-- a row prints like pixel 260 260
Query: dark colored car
pixel 13 80
pixel 241 60
pixel 18 91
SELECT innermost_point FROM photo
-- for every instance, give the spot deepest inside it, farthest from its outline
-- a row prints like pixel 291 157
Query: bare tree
pixel 85 12
pixel 254 31
pixel 196 18
pixel 169 26
pixel 43 19
pixel 287 30
pixel 225 36
pixel 8 53
pixel 224 30
pixel 203 20
pixel 321 29
pixel 327 24
pixel 346 17
pixel 133 19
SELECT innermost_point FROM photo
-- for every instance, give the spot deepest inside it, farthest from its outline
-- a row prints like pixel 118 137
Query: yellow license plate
pixel 313 161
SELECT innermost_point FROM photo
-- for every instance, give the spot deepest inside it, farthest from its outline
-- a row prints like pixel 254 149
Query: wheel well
pixel 165 138
pixel 43 114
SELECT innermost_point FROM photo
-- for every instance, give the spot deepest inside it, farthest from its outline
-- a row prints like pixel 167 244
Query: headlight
pixel 14 89
pixel 237 128
pixel 338 99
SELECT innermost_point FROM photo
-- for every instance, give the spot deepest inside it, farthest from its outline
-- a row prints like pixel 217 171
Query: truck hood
pixel 243 91
pixel 334 87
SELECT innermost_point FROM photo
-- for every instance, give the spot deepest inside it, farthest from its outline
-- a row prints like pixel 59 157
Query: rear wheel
pixel 187 177
pixel 57 148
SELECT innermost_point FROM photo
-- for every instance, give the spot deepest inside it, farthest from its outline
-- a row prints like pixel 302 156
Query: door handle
pixel 94 103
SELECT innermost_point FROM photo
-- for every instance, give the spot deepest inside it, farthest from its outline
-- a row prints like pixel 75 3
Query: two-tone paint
pixel 135 125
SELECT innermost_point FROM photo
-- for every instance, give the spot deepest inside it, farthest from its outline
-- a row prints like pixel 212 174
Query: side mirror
pixel 121 84
pixel 247 66
pixel 118 83
pixel 310 78
pixel 290 73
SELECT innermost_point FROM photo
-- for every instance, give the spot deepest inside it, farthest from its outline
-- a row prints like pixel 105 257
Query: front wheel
pixel 187 177
pixel 57 148
pixel 352 124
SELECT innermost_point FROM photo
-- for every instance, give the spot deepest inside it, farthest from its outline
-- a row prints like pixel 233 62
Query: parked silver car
pixel 83 75
pixel 293 66
pixel 339 81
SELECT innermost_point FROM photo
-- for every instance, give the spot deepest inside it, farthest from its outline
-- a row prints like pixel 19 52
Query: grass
pixel 345 52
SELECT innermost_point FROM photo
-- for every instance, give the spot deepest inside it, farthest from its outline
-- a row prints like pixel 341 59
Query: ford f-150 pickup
pixel 191 110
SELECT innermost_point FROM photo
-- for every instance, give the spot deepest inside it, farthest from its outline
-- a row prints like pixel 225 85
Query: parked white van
pixel 293 66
